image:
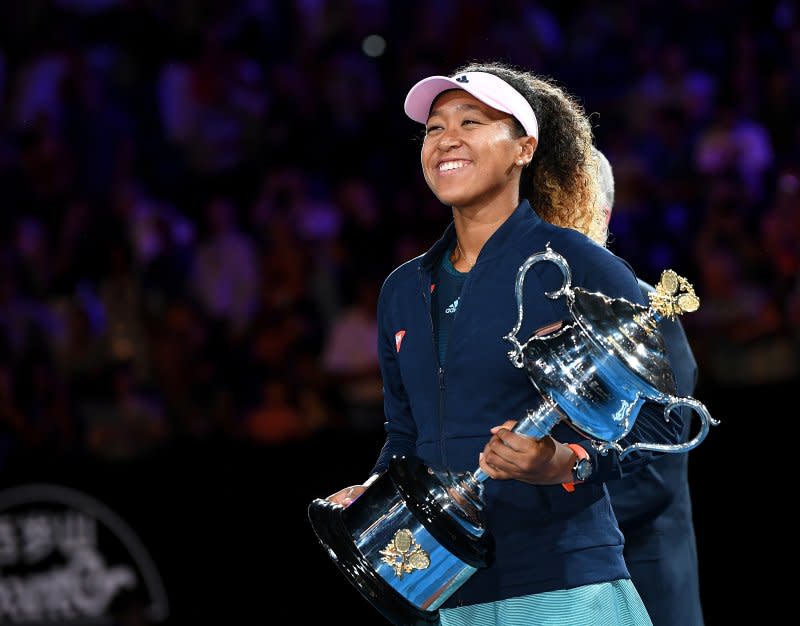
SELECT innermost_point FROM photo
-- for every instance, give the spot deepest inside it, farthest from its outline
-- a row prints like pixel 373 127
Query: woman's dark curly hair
pixel 561 180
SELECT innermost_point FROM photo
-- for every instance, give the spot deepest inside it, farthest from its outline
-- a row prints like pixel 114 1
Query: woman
pixel 511 154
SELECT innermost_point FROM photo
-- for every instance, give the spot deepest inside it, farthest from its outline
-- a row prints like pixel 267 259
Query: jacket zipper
pixel 441 416
pixel 440 369
pixel 426 300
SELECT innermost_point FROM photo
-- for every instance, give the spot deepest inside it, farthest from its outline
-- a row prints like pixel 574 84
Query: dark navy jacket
pixel 546 538
pixel 654 510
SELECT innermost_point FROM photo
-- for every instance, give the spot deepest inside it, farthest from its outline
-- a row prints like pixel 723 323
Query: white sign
pixel 66 558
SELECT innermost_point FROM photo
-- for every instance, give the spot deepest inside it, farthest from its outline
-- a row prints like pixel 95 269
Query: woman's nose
pixel 449 139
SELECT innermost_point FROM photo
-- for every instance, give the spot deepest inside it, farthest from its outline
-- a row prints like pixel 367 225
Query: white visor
pixel 486 87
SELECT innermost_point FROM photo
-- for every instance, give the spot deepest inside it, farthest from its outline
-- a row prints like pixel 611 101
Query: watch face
pixel 583 469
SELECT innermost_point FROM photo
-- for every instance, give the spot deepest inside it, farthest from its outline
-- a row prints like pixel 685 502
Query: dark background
pixel 196 195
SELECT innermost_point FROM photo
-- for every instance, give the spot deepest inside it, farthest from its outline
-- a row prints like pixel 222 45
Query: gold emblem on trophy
pixel 404 554
pixel 673 296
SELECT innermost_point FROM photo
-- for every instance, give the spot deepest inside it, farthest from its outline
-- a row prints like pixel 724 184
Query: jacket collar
pixel 496 243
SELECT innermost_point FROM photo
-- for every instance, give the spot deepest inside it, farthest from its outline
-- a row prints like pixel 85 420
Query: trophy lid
pixel 621 327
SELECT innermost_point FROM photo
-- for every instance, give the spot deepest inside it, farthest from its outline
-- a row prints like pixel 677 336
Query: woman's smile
pixel 453 166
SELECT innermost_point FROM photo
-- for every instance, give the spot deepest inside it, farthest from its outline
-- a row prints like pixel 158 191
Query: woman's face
pixel 470 152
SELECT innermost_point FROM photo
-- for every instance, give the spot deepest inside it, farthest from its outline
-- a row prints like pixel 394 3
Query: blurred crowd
pixel 200 199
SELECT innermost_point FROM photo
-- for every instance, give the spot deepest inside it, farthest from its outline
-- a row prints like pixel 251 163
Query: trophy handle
pixel 548 255
pixel 706 421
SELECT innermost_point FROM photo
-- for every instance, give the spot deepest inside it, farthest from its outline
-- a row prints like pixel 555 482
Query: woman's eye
pixel 434 129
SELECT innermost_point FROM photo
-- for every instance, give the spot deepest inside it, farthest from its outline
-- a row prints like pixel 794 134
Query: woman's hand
pixel 346 496
pixel 509 455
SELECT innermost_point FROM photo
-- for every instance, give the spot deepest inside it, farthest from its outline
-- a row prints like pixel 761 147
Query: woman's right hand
pixel 345 497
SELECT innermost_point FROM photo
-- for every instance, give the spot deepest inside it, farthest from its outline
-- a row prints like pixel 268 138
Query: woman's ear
pixel 527 148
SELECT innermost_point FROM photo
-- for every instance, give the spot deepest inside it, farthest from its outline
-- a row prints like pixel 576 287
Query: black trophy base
pixel 329 525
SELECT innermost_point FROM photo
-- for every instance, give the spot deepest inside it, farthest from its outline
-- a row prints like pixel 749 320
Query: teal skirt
pixel 615 603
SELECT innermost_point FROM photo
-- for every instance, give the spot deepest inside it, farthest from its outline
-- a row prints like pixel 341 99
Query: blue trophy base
pixel 326 518
pixel 412 496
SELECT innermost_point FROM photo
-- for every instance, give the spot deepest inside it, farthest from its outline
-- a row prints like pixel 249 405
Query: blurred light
pixel 373 45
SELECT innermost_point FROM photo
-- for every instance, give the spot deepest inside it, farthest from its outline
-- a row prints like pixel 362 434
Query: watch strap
pixel 581 453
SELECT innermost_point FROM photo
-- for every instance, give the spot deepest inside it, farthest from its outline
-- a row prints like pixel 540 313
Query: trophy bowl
pixel 409 541
pixel 418 533
pixel 596 370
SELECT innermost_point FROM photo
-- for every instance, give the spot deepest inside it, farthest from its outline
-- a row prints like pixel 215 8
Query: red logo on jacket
pixel 398 338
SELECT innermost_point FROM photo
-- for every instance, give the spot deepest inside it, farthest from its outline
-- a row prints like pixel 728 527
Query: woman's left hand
pixel 345 497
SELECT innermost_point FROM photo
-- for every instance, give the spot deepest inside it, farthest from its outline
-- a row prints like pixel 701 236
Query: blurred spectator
pixel 780 232
pixel 224 276
pixel 186 372
pixel 78 248
pixel 81 351
pixel 673 81
pixel 733 142
pixel 365 228
pixel 740 332
pixel 24 320
pixel 37 89
pixel 49 416
pixel 726 224
pixel 165 273
pixel 93 125
pixel 778 108
pixel 221 103
pixel 32 251
pixel 120 292
pixel 45 169
pixel 350 357
pixel 127 421
pixel 276 418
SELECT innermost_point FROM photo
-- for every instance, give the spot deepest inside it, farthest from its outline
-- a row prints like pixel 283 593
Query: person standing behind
pixel 653 506
pixel 510 154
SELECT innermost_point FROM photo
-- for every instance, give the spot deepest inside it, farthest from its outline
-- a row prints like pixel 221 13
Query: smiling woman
pixel 472 159
pixel 511 154
pixel 558 182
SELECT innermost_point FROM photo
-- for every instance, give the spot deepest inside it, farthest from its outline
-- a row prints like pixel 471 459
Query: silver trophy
pixel 417 533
